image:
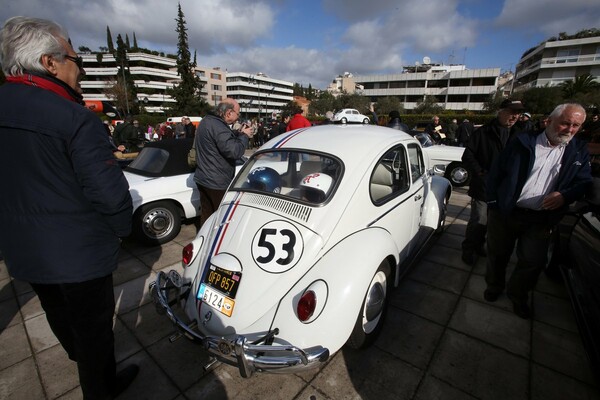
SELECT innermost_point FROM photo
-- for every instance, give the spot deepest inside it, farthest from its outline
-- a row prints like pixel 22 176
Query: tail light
pixel 306 305
pixel 187 254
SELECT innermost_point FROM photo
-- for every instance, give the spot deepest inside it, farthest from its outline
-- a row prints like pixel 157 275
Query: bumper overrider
pixel 247 357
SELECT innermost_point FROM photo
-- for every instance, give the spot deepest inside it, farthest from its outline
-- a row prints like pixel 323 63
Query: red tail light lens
pixel 186 254
pixel 306 305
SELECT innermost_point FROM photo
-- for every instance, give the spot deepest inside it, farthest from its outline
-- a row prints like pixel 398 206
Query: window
pixel 437 83
pixel 390 176
pixel 417 166
pixel 460 82
pixel 567 56
pixel 215 76
pixel 489 81
pixel 397 84
pixel 216 87
pixel 415 84
pixel 299 176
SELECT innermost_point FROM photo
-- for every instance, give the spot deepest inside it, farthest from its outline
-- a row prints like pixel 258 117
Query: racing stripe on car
pixel 223 227
pixel 288 137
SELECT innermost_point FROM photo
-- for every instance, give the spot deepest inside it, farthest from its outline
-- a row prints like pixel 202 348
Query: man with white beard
pixel 529 187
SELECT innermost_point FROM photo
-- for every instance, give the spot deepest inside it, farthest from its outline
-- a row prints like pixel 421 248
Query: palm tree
pixel 582 84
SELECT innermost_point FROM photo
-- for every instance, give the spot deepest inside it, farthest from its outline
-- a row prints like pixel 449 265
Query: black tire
pixel 157 223
pixel 344 120
pixel 457 174
pixel 443 212
pixel 366 121
pixel 372 311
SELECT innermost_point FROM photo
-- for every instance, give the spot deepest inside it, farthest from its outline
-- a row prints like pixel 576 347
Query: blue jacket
pixel 509 172
pixel 64 201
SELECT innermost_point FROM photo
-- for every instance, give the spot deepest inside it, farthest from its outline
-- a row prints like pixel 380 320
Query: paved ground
pixel 441 340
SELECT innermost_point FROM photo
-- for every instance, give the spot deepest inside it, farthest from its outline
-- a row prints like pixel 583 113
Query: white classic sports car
pixel 163 190
pixel 314 231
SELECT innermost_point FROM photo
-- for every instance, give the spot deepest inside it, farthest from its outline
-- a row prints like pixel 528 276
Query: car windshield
pixel 151 160
pixel 301 176
pixel 424 139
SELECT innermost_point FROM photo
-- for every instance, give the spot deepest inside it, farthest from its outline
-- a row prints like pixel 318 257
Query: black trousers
pixel 81 317
pixel 209 201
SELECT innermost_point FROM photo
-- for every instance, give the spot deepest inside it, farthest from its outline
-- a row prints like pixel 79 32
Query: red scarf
pixel 47 84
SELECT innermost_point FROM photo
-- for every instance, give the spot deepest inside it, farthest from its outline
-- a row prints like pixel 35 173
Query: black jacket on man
pixel 65 201
pixel 484 145
pixel 217 150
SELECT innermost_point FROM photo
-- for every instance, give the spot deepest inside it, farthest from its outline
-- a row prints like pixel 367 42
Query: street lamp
pixel 252 80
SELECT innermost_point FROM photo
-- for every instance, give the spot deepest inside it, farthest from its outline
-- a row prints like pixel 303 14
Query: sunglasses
pixel 77 60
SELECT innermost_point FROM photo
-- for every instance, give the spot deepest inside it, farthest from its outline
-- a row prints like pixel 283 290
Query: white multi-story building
pixel 258 95
pixel 554 62
pixel 454 86
pixel 151 74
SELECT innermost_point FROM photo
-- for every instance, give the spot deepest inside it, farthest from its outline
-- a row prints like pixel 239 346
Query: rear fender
pixel 346 274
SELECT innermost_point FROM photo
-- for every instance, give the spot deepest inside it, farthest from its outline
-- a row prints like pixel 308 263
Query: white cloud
pixel 550 16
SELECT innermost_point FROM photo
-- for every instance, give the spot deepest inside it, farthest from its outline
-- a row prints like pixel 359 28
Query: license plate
pixel 224 281
pixel 216 300
pixel 218 289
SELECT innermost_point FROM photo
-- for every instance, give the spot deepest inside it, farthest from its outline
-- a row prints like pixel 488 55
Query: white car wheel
pixel 157 223
pixel 372 312
pixel 457 174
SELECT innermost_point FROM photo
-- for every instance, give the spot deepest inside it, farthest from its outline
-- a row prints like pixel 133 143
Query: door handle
pixel 418 197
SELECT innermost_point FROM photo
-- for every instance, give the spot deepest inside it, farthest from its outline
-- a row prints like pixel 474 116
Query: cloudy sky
pixel 312 41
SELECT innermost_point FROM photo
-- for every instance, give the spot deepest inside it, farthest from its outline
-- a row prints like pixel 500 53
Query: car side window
pixel 417 166
pixel 390 176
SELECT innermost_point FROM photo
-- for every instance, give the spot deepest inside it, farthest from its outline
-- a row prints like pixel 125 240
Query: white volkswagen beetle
pixel 314 231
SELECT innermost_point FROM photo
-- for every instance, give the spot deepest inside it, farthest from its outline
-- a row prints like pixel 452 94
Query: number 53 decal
pixel 277 246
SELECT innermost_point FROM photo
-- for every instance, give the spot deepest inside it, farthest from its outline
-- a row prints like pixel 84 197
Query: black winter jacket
pixel 397 124
pixel 481 150
pixel 65 201
pixel 217 150
pixel 509 173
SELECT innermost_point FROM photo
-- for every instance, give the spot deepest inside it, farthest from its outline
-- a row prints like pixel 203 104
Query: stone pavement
pixel 441 340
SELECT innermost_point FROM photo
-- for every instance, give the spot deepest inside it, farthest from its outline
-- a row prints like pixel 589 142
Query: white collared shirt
pixel 544 174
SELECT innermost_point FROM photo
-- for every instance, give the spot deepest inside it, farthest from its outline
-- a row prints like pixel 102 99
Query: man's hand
pixel 247 130
pixel 553 201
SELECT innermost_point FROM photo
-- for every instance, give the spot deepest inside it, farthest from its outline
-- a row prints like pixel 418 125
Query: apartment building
pixel 151 74
pixel 556 61
pixel 259 96
pixel 215 84
pixel 455 86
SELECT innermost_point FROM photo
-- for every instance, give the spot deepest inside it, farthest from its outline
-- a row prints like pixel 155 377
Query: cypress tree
pixel 109 41
pixel 187 93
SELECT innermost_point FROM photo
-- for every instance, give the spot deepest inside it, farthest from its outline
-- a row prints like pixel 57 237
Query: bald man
pixel 218 147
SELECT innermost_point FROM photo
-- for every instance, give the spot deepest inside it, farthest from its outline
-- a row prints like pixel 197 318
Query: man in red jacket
pixel 298 121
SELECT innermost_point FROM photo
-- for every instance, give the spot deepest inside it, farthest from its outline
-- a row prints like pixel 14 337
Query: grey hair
pixel 223 107
pixel 557 112
pixel 23 42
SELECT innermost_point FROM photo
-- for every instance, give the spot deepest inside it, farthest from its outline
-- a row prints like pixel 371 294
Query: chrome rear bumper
pixel 247 357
